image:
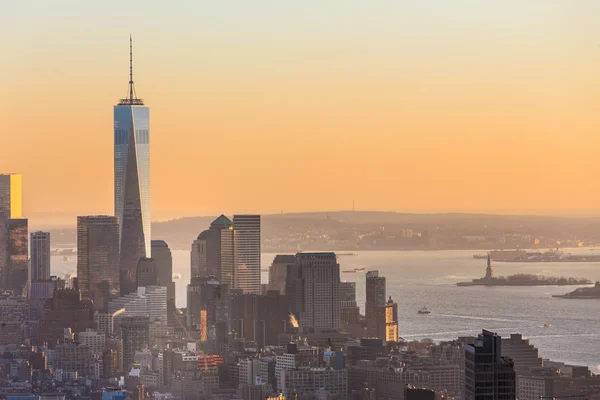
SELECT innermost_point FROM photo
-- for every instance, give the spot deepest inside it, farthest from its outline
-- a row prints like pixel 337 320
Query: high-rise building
pixel 313 289
pixel 134 337
pixel 488 375
pixel 524 354
pixel 208 308
pixel 11 196
pixel 246 273
pixel 375 299
pixel 164 270
pixel 98 258
pixel 148 302
pixel 198 255
pixel 66 309
pixel 12 268
pixel 278 271
pixel 17 251
pixel 40 256
pixel 206 249
pixel 259 318
pixel 387 321
pixel 132 182
pixel 146 272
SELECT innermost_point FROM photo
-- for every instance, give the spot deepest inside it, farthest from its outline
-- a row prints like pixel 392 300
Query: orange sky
pixel 270 107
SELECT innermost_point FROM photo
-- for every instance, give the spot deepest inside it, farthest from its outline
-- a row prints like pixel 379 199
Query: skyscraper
pixel 313 289
pixel 17 251
pixel 132 182
pixel 10 208
pixel 40 256
pixel 247 249
pixel 134 336
pixel 98 258
pixel 198 255
pixel 388 321
pixel 146 272
pixel 488 375
pixel 206 249
pixel 375 298
pixel 11 204
pixel 164 271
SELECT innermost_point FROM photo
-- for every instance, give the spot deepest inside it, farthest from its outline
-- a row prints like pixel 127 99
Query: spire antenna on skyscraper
pixel 130 68
pixel 131 98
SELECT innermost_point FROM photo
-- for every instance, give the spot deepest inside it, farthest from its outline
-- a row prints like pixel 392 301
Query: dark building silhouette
pixel 135 335
pixel 40 256
pixel 259 318
pixel 18 253
pixel 208 309
pixel 413 393
pixel 375 299
pixel 313 290
pixel 146 274
pixel 278 271
pixel 164 272
pixel 98 258
pixel 206 249
pixel 488 375
pixel 349 310
pixel 66 309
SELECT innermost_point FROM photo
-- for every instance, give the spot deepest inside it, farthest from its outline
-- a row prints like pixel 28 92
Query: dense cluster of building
pixel 114 332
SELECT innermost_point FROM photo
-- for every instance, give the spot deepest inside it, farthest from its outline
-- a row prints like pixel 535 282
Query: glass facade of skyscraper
pixel 132 186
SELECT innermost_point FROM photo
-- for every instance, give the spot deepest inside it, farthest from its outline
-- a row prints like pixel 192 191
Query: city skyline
pixel 404 111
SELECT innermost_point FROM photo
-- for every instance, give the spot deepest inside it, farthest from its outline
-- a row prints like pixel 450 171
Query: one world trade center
pixel 132 182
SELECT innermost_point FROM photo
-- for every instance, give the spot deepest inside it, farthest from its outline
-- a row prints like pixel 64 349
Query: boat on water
pixel 424 311
pixel 353 271
pixel 547 325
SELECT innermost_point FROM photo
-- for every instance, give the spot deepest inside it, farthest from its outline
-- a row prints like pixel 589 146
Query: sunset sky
pixel 263 106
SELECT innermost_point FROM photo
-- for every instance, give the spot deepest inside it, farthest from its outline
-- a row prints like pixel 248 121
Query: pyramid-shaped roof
pixel 221 222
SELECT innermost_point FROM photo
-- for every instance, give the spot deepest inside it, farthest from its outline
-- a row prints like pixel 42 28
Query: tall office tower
pixel 198 256
pixel 228 257
pixel 40 256
pixel 387 320
pixel 134 337
pixel 525 355
pixel 245 243
pixel 208 308
pixel 10 208
pixel 17 250
pixel 146 272
pixel 349 310
pixel 66 309
pixel 11 204
pixel 164 270
pixel 259 318
pixel 132 182
pixel 148 302
pixel 313 289
pixel 488 375
pixel 98 258
pixel 206 249
pixel 375 298
pixel 278 271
